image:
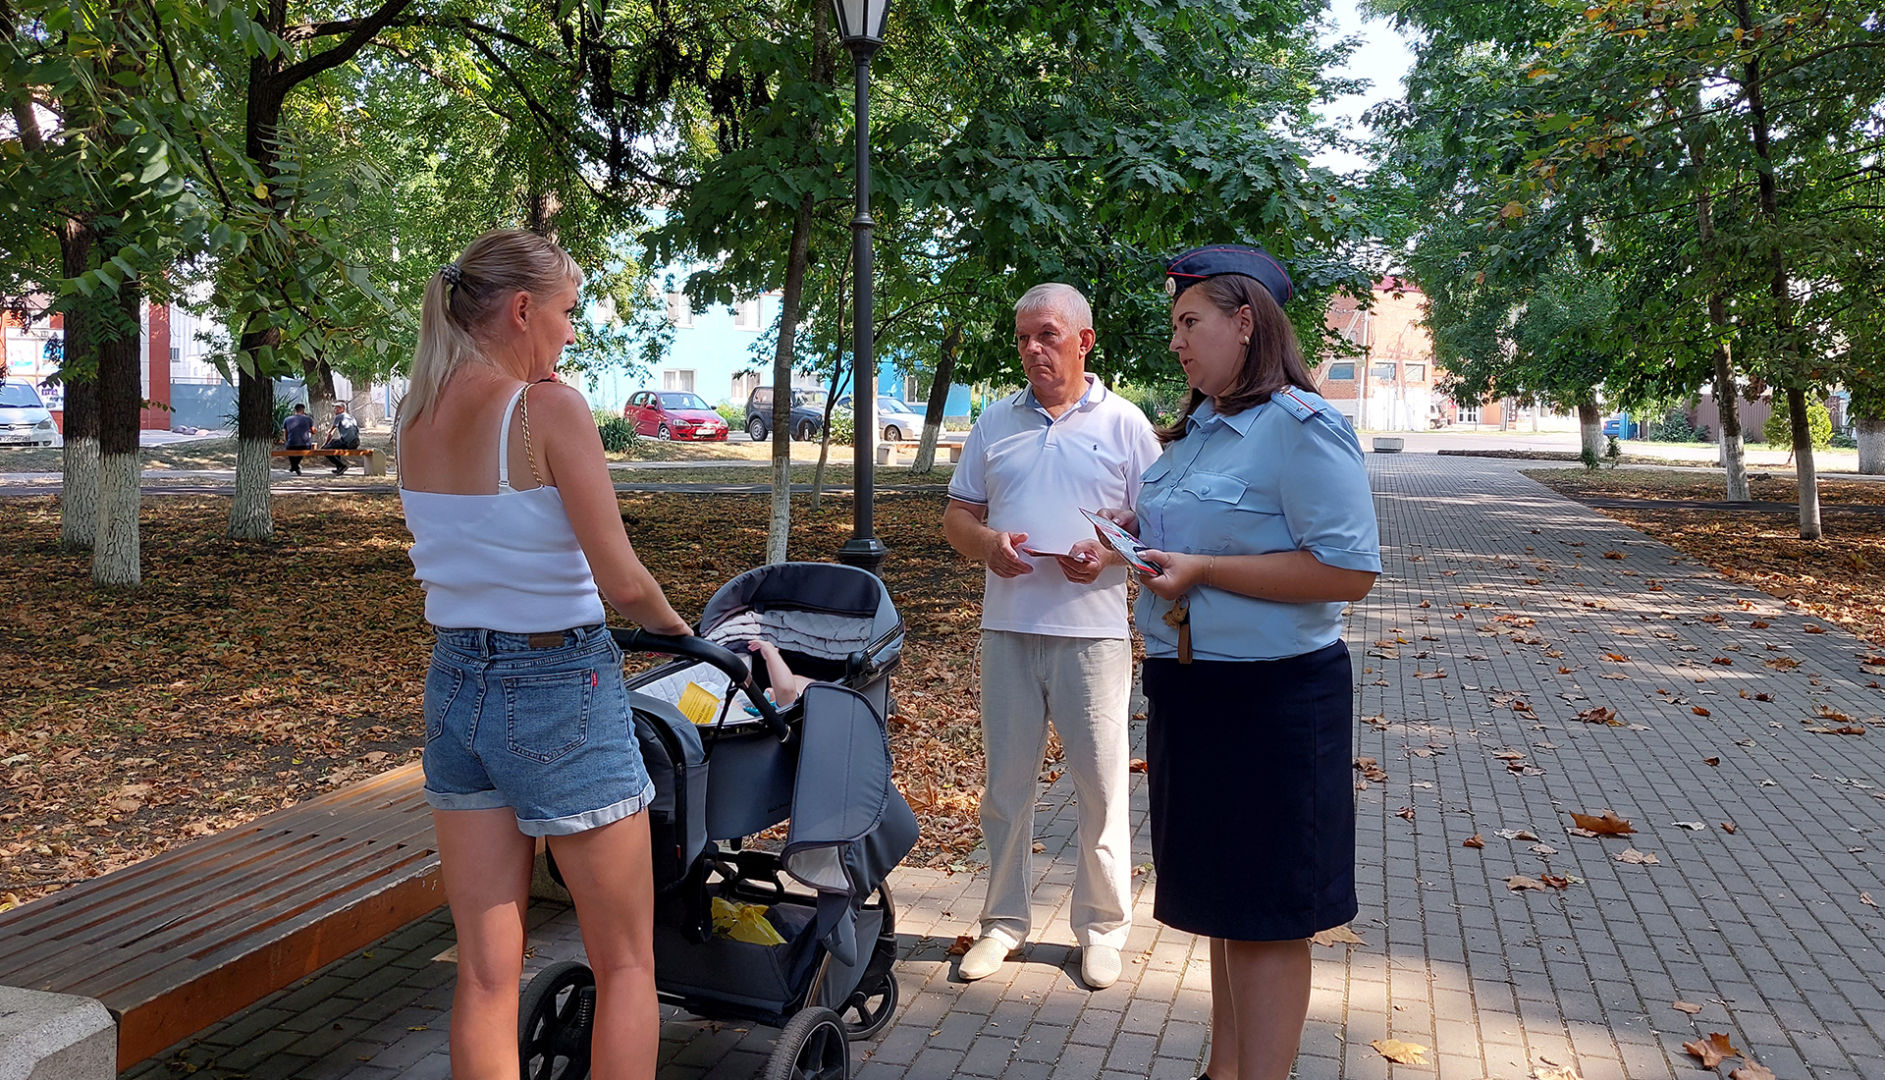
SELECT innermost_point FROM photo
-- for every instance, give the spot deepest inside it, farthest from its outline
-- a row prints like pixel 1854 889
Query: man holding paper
pixel 1055 636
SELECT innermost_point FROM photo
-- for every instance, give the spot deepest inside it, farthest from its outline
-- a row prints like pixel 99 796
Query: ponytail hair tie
pixel 451 273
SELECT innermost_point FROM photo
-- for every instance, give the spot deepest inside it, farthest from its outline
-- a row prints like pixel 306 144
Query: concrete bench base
pixel 1388 444
pixel 55 1037
pixel 896 453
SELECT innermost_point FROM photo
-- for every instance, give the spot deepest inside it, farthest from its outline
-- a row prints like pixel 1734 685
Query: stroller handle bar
pixel 635 639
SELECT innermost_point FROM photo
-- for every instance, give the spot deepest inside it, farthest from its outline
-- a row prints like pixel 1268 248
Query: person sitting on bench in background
pixel 344 435
pixel 298 432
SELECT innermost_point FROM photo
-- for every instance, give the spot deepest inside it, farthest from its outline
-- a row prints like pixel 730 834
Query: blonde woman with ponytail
pixel 515 530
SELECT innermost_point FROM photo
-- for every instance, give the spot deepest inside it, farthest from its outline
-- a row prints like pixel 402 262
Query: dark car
pixel 894 418
pixel 674 414
pixel 808 414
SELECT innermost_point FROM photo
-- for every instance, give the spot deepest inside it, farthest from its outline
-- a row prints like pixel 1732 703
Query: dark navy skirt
pixel 1250 768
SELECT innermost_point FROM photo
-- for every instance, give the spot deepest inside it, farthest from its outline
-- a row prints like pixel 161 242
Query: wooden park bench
pixel 894 453
pixel 375 464
pixel 179 941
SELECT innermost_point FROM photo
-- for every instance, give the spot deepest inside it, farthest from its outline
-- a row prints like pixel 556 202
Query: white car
pixel 897 420
pixel 24 418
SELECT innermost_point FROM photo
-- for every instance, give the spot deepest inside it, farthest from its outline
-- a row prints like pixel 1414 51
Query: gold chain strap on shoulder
pixel 523 407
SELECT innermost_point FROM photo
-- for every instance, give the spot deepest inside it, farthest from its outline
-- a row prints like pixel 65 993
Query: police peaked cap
pixel 1190 267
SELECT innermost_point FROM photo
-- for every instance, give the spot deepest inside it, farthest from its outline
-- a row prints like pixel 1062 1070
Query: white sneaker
pixel 1099 966
pixel 983 959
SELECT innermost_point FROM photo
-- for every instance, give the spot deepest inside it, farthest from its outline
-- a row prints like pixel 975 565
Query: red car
pixel 674 414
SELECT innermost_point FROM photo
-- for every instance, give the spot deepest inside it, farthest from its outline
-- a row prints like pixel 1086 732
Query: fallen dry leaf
pixel 1711 762
pixel 1555 881
pixel 1751 1071
pixel 1698 710
pixel 1406 812
pixel 1400 1053
pixel 1713 1050
pixel 1555 1072
pixel 1866 899
pixel 1370 769
pixel 1473 841
pixel 1436 673
pixel 1521 882
pixel 1616 657
pixel 1638 858
pixel 1517 834
pixel 1341 935
pixel 1137 765
pixel 1600 714
pixel 961 945
pixel 1689 1007
pixel 1605 824
pixel 1728 827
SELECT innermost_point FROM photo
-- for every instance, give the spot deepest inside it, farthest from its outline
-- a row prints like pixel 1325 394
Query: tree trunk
pixel 78 370
pixel 798 255
pixel 1590 428
pixel 1779 290
pixel 824 443
pixel 250 517
pixel 1806 478
pixel 779 524
pixel 837 376
pixel 1871 436
pixel 318 378
pixel 925 462
pixel 1733 456
pixel 120 396
pixel 1727 409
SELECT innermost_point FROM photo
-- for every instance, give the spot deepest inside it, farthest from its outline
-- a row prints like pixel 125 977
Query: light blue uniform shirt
pixel 1286 475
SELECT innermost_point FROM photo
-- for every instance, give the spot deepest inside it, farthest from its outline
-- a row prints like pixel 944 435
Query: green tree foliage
pixel 1778 430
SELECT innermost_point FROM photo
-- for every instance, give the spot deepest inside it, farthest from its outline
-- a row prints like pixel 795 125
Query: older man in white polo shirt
pixel 1055 635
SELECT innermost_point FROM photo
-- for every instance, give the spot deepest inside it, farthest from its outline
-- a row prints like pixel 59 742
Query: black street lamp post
pixel 861 26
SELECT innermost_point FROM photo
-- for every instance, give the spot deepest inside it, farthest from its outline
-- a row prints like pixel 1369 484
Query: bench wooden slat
pixel 341 451
pixel 197 933
pixel 339 810
pixel 88 959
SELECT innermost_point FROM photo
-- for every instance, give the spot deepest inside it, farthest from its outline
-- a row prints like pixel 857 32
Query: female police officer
pixel 1259 515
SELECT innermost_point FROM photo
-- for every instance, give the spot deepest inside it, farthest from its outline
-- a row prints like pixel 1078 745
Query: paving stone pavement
pixel 1504 612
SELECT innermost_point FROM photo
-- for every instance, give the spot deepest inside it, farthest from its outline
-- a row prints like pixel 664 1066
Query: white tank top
pixel 507 561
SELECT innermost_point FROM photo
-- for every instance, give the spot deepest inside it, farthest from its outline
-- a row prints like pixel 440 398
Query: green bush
pixel 617 434
pixel 1844 440
pixel 603 416
pixel 1674 426
pixel 734 415
pixel 1778 431
pixel 843 428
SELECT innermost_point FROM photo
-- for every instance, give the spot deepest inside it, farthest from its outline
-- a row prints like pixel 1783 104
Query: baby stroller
pixel 815 959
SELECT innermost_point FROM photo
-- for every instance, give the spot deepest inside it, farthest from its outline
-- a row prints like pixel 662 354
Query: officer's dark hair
pixel 299 407
pixel 1272 361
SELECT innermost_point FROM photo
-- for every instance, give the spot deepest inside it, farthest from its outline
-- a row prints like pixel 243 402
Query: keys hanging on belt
pixel 1179 619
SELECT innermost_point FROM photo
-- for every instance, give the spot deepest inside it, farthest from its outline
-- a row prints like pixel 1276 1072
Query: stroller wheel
pixel 870 1007
pixel 813 1046
pixel 555 1020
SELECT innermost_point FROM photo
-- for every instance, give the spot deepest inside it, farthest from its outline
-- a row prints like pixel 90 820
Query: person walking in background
pixel 1259 516
pixel 1056 646
pixel 344 434
pixel 515 527
pixel 298 434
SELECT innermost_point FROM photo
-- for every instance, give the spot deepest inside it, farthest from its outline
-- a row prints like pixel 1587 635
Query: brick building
pixel 32 351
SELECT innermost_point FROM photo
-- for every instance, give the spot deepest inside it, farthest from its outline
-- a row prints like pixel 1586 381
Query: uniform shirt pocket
pixel 1229 515
pixel 547 715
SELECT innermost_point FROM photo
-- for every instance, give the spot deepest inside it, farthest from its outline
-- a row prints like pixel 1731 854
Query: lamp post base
pixel 863 552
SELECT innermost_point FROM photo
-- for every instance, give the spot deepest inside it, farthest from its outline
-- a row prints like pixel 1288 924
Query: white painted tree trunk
pixel 1591 436
pixel 925 460
pixel 1734 457
pixel 249 514
pixel 779 525
pixel 78 494
pixel 1871 435
pixel 115 556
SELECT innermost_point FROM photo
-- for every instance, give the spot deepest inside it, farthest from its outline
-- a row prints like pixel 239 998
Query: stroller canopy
pixel 822 610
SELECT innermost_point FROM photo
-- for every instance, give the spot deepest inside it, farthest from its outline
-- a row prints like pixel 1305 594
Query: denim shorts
pixel 539 723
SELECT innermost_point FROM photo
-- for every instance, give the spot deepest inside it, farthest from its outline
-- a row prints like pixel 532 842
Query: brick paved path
pixel 1514 595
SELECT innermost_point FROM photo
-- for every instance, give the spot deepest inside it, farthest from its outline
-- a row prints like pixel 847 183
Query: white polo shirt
pixel 1035 474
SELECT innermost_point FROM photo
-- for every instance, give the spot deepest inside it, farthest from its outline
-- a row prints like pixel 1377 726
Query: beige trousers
pixel 1083 687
